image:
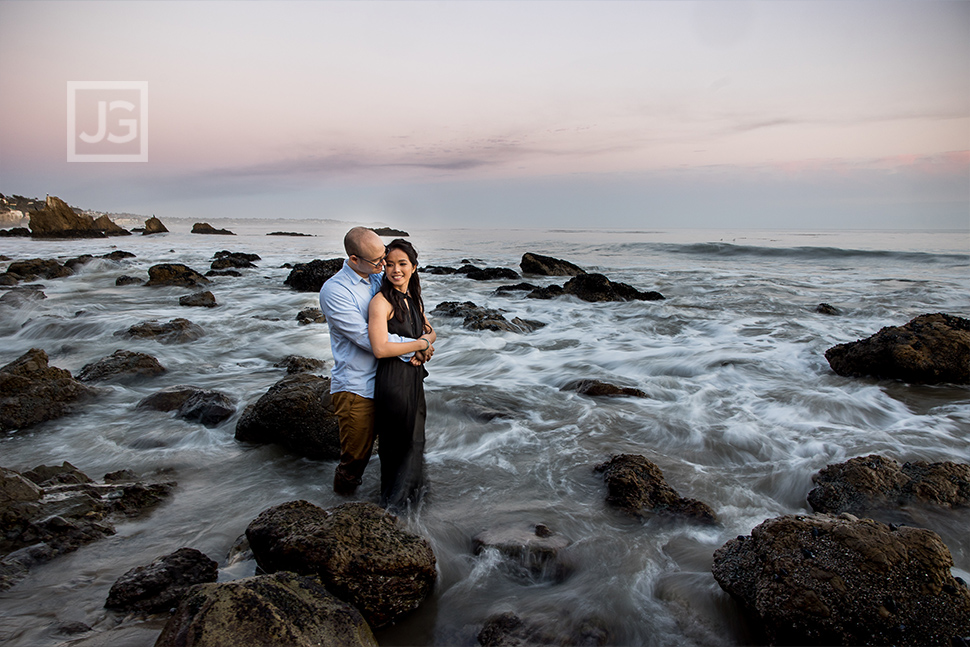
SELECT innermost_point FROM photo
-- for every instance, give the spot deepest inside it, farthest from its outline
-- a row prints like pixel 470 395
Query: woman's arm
pixel 377 315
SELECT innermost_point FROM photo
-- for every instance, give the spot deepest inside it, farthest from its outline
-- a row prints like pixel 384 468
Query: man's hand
pixel 422 356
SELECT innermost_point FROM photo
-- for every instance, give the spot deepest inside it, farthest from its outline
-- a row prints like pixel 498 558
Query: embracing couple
pixel 380 340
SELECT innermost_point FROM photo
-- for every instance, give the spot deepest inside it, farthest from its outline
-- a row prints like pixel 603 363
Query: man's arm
pixel 343 316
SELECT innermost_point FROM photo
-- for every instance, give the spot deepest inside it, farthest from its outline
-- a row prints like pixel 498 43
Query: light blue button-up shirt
pixel 345 298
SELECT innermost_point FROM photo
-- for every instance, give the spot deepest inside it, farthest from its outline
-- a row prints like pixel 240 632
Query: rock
pixel 387 231
pixel 296 413
pixel 827 580
pixel 158 587
pixel 297 364
pixel 826 309
pixel 15 232
pixel 479 318
pixel 930 349
pixel 310 277
pixel 206 228
pixel 437 269
pixel 58 220
pixel 357 550
pixel 596 287
pixel 492 274
pixel 278 609
pixel 8 279
pixel 129 280
pixel 311 315
pixel 74 263
pixel 869 484
pixel 508 630
pixel 52 510
pixel 32 392
pixel 104 223
pixel 204 299
pixel 175 274
pixel 154 226
pixel 207 407
pixel 118 255
pixel 169 399
pixel 176 331
pixel 223 273
pixel 547 292
pixel 598 388
pixel 19 297
pixel 548 266
pixel 518 287
pixel 636 484
pixel 537 553
pixel 120 476
pixel 288 233
pixel 122 364
pixel 226 259
pixel 37 268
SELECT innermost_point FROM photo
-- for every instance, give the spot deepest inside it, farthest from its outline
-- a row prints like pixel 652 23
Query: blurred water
pixel 742 410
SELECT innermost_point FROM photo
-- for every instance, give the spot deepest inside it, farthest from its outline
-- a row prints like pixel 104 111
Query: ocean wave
pixel 721 249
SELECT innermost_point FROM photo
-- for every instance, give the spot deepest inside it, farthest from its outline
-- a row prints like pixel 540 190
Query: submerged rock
pixel 226 259
pixel 479 318
pixel 298 364
pixel 548 266
pixel 310 277
pixel 32 391
pixel 128 280
pixel 357 550
pixel 827 580
pixel 176 331
pixel 537 553
pixel 826 309
pixel 278 609
pixel 635 484
pixel 206 228
pixel 175 274
pixel 19 297
pixel 310 316
pixel 868 484
pixel 204 299
pixel 597 388
pixel 52 510
pixel 169 398
pixel 37 268
pixel 930 349
pixel 122 364
pixel 296 413
pixel 509 630
pixel 158 587
pixel 209 408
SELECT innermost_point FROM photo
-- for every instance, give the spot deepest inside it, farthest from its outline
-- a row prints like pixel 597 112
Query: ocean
pixel 741 410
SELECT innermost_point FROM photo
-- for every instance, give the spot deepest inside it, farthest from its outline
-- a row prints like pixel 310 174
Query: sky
pixel 525 113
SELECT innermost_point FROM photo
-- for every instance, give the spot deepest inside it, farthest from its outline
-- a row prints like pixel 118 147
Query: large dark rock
pixel 176 331
pixel 824 580
pixel 154 226
pixel 32 392
pixel 38 268
pixel 534 553
pixel 548 266
pixel 596 287
pixel 105 224
pixel 206 228
pixel 207 407
pixel 58 220
pixel 296 413
pixel 357 550
pixel 492 274
pixel 868 484
pixel 278 609
pixel 158 587
pixel 509 630
pixel 52 510
pixel 310 277
pixel 635 484
pixel 599 388
pixel 169 398
pixel 930 349
pixel 226 259
pixel 175 274
pixel 121 365
pixel 479 318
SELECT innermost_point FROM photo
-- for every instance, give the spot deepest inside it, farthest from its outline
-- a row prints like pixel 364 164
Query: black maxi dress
pixel 399 418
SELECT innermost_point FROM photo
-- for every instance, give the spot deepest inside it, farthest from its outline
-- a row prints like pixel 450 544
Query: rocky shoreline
pixel 839 576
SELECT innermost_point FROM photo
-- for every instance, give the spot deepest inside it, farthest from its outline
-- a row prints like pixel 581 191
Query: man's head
pixel 365 251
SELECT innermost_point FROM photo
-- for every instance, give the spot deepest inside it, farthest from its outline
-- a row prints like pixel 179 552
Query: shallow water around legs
pixel 741 410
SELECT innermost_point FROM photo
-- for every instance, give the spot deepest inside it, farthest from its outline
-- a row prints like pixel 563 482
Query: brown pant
pixel 355 414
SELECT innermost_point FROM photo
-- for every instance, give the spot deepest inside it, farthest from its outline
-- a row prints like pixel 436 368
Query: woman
pixel 399 386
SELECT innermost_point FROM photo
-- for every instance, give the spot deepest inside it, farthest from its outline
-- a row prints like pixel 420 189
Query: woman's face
pixel 398 269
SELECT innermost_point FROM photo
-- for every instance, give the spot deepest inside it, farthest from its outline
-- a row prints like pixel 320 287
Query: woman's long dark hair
pixel 393 296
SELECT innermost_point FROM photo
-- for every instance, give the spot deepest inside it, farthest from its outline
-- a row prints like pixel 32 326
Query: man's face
pixel 370 260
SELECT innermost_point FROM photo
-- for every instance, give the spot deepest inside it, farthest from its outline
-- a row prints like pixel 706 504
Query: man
pixel 345 298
